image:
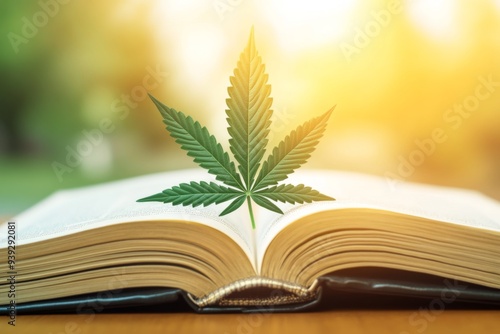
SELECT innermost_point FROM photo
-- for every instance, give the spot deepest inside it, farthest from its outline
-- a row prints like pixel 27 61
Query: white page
pixel 72 211
pixel 352 190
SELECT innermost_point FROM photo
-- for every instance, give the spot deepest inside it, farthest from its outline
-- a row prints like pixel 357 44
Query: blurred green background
pixel 75 73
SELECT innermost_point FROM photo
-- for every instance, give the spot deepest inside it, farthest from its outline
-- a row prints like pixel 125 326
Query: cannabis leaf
pixel 249 117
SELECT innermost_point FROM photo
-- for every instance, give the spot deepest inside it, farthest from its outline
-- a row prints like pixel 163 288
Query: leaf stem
pixel 251 212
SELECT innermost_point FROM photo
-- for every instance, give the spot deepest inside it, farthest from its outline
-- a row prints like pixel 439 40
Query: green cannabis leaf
pixel 249 118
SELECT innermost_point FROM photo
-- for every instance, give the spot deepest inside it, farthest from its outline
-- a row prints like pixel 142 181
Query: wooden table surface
pixel 335 321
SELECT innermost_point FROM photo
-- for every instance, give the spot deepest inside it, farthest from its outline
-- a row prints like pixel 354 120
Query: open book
pixel 99 238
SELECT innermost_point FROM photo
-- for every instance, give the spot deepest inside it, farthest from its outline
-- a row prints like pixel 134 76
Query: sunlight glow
pixel 178 9
pixel 202 41
pixel 305 24
pixel 200 52
pixel 438 19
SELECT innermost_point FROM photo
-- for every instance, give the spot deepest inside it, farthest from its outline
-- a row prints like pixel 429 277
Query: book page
pixel 72 211
pixel 352 190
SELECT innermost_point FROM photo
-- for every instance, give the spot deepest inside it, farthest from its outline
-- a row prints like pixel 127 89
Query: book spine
pixel 296 293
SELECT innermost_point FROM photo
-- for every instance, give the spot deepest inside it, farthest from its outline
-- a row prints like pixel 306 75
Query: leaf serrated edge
pixel 249 113
pixel 173 118
pixel 284 158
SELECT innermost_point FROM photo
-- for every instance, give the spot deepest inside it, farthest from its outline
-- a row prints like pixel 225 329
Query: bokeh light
pixel 396 71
